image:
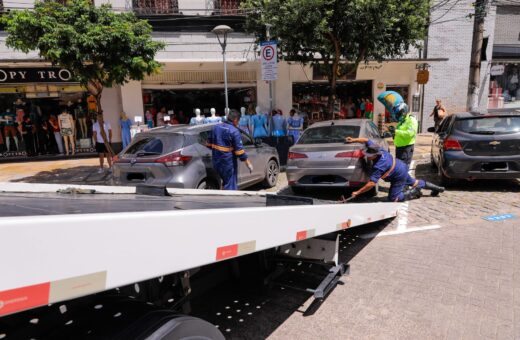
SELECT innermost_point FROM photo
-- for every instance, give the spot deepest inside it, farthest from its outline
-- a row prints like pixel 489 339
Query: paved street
pixel 438 271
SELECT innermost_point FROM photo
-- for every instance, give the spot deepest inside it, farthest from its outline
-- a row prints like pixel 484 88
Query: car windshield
pixel 154 145
pixel 494 125
pixel 329 134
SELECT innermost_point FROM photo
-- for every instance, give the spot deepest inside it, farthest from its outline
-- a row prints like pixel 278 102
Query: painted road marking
pixel 501 217
pixel 399 232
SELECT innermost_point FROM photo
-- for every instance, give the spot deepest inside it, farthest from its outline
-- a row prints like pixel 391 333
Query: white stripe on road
pixel 399 232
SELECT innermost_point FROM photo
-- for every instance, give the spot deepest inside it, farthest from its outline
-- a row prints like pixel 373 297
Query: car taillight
pixel 350 154
pixel 296 155
pixel 451 144
pixel 174 159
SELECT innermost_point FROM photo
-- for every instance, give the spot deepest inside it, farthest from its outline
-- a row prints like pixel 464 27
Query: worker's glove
pixel 250 166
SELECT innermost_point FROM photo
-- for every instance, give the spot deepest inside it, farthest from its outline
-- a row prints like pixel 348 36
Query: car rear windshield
pixel 495 125
pixel 329 134
pixel 155 145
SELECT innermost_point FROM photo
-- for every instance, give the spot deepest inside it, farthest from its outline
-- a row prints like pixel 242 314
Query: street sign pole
pixel 268 36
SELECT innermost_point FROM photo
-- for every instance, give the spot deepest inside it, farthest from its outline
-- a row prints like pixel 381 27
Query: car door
pixel 244 175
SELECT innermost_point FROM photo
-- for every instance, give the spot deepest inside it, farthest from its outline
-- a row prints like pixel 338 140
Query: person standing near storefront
pixel 226 144
pixel 28 130
pixel 101 147
pixel 438 113
pixel 369 109
pixel 66 124
pixel 55 127
pixel 125 123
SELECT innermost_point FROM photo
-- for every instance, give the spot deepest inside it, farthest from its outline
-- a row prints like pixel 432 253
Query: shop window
pixel 153 7
pixel 504 88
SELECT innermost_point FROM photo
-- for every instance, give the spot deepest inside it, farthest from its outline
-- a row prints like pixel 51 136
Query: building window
pixel 227 7
pixel 155 6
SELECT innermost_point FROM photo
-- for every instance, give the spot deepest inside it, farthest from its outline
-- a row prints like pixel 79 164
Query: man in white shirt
pixel 101 148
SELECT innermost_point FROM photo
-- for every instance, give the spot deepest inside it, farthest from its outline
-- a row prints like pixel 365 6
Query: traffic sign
pixel 269 60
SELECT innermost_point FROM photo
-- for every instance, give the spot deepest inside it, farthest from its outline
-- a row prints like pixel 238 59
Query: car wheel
pixel 207 185
pixel 446 181
pixel 298 190
pixel 271 174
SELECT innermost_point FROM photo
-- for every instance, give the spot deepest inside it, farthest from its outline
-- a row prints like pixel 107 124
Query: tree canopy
pixel 336 32
pixel 101 47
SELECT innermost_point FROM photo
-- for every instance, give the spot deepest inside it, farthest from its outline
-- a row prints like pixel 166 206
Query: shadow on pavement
pixel 427 172
pixel 77 175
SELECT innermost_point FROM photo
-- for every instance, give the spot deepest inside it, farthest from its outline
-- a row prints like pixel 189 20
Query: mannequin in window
pixel 66 124
pixel 245 121
pixel 259 124
pixel 148 116
pixel 28 131
pixel 19 109
pixel 125 123
pixel 279 124
pixel 81 116
pixel 198 119
pixel 160 116
pixel 10 128
pixel 214 118
pixel 294 125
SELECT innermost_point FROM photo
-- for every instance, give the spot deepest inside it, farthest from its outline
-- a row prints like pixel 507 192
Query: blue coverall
pixel 226 144
pixel 398 177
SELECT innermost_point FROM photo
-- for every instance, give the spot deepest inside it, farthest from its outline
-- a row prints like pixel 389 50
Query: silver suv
pixel 177 157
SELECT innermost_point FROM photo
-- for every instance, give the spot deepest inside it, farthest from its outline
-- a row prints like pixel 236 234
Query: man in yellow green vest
pixel 406 129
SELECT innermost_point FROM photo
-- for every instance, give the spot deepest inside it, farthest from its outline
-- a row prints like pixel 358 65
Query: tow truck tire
pixel 207 185
pixel 186 328
pixel 272 170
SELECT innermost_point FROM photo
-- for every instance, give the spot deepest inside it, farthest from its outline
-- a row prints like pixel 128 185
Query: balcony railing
pixel 225 7
pixel 155 7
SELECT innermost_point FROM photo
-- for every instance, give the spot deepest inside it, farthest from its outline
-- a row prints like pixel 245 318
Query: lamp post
pixel 221 31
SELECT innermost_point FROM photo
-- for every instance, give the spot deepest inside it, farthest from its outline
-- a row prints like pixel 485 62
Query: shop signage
pixel 269 60
pixel 10 75
pixel 423 76
pixel 497 70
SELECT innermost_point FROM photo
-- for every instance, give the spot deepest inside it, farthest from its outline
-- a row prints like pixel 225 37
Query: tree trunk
pixel 476 53
pixel 333 75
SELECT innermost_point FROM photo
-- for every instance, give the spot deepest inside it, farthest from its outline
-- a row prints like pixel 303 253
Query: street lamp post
pixel 221 31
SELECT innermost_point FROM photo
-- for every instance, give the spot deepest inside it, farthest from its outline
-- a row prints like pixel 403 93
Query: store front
pixel 181 103
pixel 504 87
pixel 31 98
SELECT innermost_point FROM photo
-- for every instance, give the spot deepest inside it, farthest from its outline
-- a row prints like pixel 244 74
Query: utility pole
pixel 476 54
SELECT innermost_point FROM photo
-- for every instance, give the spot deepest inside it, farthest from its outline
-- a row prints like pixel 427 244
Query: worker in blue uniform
pixel 392 170
pixel 226 144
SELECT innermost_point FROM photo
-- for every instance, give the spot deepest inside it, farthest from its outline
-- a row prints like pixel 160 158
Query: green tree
pixel 337 35
pixel 100 47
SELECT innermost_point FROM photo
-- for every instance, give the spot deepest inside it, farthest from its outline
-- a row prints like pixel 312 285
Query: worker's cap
pixel 371 151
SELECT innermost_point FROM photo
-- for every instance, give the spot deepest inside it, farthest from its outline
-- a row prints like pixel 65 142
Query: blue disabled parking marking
pixel 501 217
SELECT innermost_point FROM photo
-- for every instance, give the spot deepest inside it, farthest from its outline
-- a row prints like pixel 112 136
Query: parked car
pixel 177 156
pixel 477 146
pixel 322 159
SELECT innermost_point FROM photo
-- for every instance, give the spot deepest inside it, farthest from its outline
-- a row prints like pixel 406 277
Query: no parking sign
pixel 269 60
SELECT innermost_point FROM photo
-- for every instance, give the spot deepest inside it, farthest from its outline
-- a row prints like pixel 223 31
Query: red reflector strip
pixel 233 250
pixel 305 234
pixel 19 299
pixel 344 225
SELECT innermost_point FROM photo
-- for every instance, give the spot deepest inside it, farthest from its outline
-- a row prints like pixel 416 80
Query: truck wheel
pixel 186 327
pixel 271 174
pixel 207 185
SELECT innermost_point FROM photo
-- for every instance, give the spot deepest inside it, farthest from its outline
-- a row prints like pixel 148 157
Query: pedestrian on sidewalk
pixel 438 113
pixel 385 167
pixel 101 147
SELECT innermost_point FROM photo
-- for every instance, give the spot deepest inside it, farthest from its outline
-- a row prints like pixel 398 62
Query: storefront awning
pixel 506 52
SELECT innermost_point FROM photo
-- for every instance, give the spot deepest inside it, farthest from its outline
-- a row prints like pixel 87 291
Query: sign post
pixel 269 60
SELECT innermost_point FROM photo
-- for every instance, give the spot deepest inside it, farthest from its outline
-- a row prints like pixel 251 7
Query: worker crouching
pixel 392 170
pixel 226 144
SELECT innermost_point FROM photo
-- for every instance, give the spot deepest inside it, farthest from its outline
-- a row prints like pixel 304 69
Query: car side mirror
pixel 258 142
pixel 387 134
pixel 431 129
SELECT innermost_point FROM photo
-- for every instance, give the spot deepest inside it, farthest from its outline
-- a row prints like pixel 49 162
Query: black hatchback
pixel 477 146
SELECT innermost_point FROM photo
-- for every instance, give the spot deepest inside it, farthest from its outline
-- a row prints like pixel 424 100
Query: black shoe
pixel 413 193
pixel 434 188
